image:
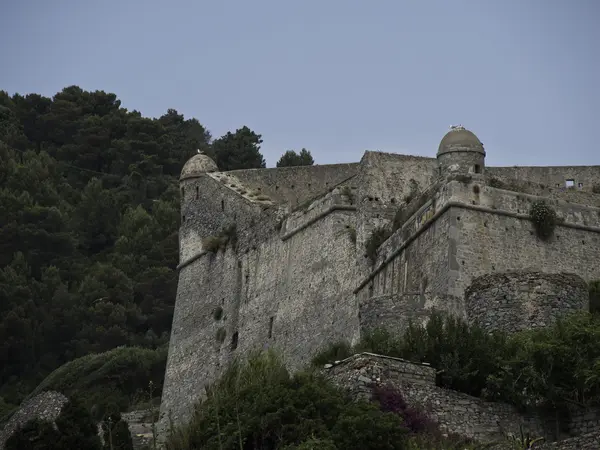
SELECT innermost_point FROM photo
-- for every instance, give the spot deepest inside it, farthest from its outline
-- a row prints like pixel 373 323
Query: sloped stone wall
pixel 588 441
pixel 454 412
pixel 45 406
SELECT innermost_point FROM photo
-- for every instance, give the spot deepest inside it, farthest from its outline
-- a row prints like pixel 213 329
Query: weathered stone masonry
pixel 295 275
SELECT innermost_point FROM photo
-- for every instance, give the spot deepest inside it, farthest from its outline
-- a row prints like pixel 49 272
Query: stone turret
pixel 196 166
pixel 192 192
pixel 460 152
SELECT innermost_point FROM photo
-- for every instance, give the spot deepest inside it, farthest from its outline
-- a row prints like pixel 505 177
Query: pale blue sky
pixel 335 76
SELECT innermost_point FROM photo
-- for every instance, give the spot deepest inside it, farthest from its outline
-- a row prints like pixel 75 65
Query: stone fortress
pixel 298 258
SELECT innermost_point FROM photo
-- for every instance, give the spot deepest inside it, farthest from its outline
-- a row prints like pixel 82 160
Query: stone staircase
pixel 140 427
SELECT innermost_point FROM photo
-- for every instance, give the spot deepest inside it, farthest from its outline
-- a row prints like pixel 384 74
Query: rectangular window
pixel 234 341
pixel 570 183
pixel 271 327
pixel 579 185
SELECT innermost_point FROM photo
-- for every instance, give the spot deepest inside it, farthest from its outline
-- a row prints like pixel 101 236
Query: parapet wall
pixel 552 176
pixel 295 185
pixel 340 198
pixel 515 301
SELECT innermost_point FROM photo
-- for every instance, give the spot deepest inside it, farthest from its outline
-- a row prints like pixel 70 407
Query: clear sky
pixel 335 76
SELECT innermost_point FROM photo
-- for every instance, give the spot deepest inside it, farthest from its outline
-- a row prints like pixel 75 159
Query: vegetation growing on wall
pixel 544 219
pixel 377 237
pixel 219 242
pixel 512 369
pixel 347 191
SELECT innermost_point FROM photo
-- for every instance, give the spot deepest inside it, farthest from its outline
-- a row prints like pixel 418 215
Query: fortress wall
pixel 293 295
pixel 207 208
pixel 384 180
pixel 571 195
pixel 298 291
pixel 338 198
pixel 489 242
pixel 517 301
pixel 196 354
pixel 414 280
pixel 295 185
pixel 556 177
pixel 393 312
pixel 493 233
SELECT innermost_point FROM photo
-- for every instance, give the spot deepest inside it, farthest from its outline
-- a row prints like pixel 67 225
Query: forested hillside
pixel 89 214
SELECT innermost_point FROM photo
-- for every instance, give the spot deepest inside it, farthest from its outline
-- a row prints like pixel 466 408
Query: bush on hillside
pixel 554 367
pixel 115 377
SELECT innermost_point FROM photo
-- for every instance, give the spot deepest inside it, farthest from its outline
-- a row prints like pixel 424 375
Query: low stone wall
pixel 44 406
pixel 588 441
pixel 515 301
pixel 358 373
pixel 453 411
pixel 584 421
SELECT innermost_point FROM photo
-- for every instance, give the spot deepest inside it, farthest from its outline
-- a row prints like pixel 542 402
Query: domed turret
pixel 460 151
pixel 197 165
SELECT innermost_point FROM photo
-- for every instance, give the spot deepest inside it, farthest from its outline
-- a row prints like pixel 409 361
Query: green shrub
pixel 596 188
pixel 571 345
pixel 347 191
pixel 115 432
pixel 228 235
pixel 214 243
pixel 335 352
pixel 464 355
pixel 544 219
pixel 259 405
pixel 378 236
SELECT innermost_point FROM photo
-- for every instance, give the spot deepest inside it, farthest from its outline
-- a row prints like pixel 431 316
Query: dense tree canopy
pixel 291 158
pixel 239 150
pixel 88 230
